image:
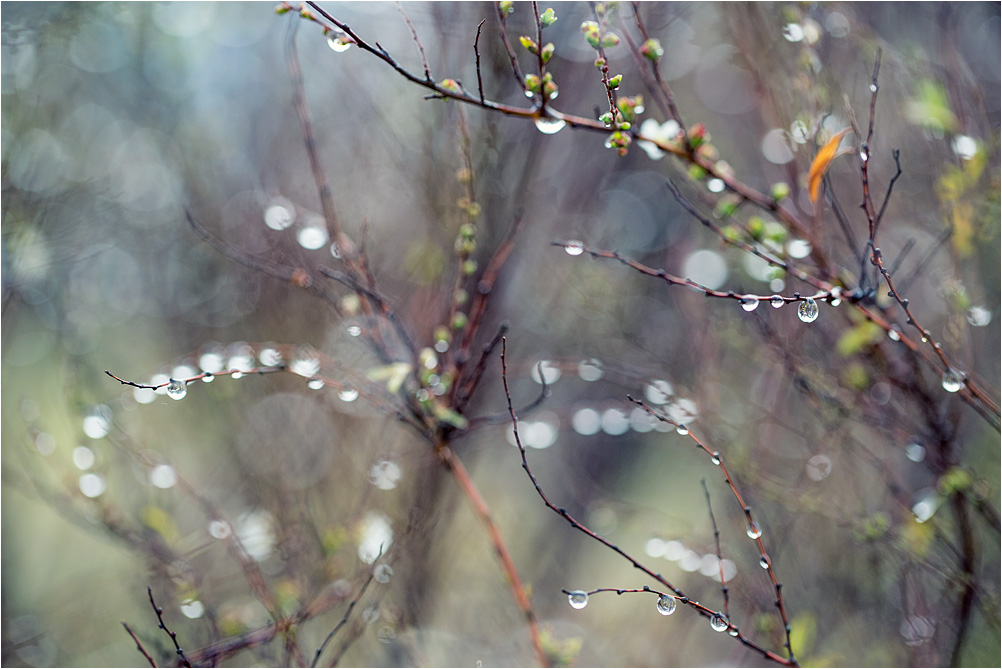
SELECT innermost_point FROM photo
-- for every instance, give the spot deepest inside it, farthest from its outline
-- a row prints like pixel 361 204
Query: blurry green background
pixel 116 117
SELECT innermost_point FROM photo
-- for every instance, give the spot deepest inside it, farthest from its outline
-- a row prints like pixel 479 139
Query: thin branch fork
pixel 563 513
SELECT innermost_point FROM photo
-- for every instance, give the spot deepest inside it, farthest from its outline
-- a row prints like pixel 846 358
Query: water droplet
pixel 682 430
pixel 915 452
pixel 715 185
pixel 952 380
pixel 382 573
pixel 776 302
pixel 208 378
pixel 211 361
pixel 979 317
pixel 279 215
pixel 305 365
pixel 528 93
pixel 177 389
pixel 370 615
pixel 385 474
pixel 666 605
pixel 220 529
pixel 715 458
pixel 354 330
pixel 733 631
pixel 549 126
pixel 335 250
pixel 893 334
pixel 819 467
pixel 92 485
pixel 348 394
pixel 574 248
pixel 97 423
pixel 590 370
pixel 873 88
pixel 339 42
pixel 763 562
pixel 658 391
pixel 313 235
pixel 163 477
pixel 749 304
pixel 753 531
pixel 864 155
pixel 718 622
pixel 578 599
pixel 193 609
pixel 793 32
pixel 586 421
pixel 315 384
pixel 835 297
pixel 808 310
pixel 799 248
pixel 83 457
pixel 270 357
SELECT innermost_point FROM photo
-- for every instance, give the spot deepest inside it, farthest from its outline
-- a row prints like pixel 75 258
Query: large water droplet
pixel 270 357
pixel 578 599
pixel 97 423
pixel 979 317
pixel 718 621
pixel 574 248
pixel 549 126
pixel 776 302
pixel 793 32
pixel 163 476
pixel 92 485
pixel 348 394
pixel 749 304
pixel 894 335
pixel 658 391
pixel 177 389
pixel 753 531
pixel 339 42
pixel 808 310
pixel 315 384
pixel 952 380
pixel 666 605
pixel 220 529
pixel 382 573
pixel 682 430
pixel 864 155
pixel 305 365
pixel 83 457
pixel 763 562
pixel 193 609
pixel 280 214
pixel 873 88
pixel 313 235
pixel 715 458
pixel 915 452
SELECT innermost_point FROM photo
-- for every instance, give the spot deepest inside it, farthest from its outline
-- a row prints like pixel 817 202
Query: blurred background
pixel 870 483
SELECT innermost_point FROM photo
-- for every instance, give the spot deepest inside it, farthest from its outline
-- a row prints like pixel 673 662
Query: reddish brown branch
pixel 139 645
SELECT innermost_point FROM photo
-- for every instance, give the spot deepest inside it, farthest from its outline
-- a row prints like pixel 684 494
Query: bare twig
pixel 476 51
pixel 347 614
pixel 417 41
pixel 720 557
pixel 173 635
pixel 139 645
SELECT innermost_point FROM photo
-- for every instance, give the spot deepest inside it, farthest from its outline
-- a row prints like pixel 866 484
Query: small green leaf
pixel 393 374
pixel 548 18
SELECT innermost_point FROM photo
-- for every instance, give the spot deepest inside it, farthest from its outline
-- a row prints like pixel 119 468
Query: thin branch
pixel 720 557
pixel 563 513
pixel 896 154
pixel 139 645
pixel 455 465
pixel 476 51
pixel 417 41
pixel 512 58
pixel 347 614
pixel 163 626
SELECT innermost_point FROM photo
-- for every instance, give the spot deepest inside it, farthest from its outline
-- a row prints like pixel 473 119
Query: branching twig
pixel 163 626
pixel 720 557
pixel 347 614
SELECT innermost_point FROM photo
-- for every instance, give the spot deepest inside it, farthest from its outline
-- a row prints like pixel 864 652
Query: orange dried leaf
pixel 821 162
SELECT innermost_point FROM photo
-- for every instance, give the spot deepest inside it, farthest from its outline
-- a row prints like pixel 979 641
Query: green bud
pixel 615 81
pixel 600 63
pixel 780 191
pixel 731 233
pixel 696 173
pixel 625 125
pixel 532 83
pixel 450 85
pixel 548 18
pixel 469 267
pixel 954 480
pixel 506 7
pixel 442 333
pixel 459 321
pixel 606 118
pixel 305 13
pixel 473 211
pixel 529 44
pixel 550 90
pixel 464 176
pixel 547 52
pixel 610 40
pixel 589 26
pixel 725 208
pixel 548 77
pixel 282 9
pixel 756 228
pixel 467 231
pixel 651 49
pixel 461 296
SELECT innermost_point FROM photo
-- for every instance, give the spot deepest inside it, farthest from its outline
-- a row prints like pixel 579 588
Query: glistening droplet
pixel 776 302
pixel 666 605
pixel 549 126
pixel 749 304
pixel 177 389
pixel 338 42
pixel 952 380
pixel 718 621
pixel 808 310
pixel 574 248
pixel 753 531
pixel 578 599
pixel 347 394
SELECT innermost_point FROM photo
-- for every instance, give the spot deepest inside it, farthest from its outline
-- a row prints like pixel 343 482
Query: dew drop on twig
pixel 666 605
pixel 952 380
pixel 776 302
pixel 348 394
pixel 177 389
pixel 574 248
pixel 749 304
pixel 338 42
pixel 808 310
pixel 549 126
pixel 578 599
pixel 753 531
pixel 718 622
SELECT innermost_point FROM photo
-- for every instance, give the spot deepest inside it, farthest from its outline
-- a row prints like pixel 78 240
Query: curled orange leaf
pixel 820 164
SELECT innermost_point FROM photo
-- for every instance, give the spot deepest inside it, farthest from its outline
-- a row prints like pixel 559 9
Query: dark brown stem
pixel 139 645
pixel 163 626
